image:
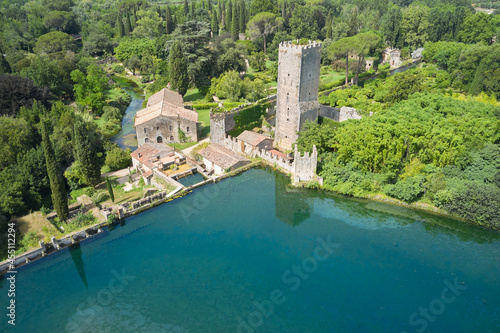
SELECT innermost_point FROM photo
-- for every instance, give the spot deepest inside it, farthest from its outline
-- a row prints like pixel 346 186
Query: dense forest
pixel 433 135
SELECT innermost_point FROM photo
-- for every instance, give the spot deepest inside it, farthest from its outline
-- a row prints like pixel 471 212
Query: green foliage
pixel 262 25
pixel 130 47
pixel 258 61
pixel 91 89
pixel 81 220
pixel 57 187
pixel 86 154
pixel 407 190
pixel 178 69
pixel 53 43
pixel 117 159
pixel 110 190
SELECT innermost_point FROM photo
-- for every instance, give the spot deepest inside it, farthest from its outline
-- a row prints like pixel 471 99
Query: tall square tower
pixel 297 97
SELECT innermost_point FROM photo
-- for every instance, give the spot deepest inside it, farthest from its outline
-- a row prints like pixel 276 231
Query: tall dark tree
pixel 178 69
pixel 193 8
pixel 229 16
pixel 214 25
pixel 186 8
pixel 120 29
pixel 16 92
pixel 110 189
pixel 127 25
pixel 57 187
pixel 210 6
pixel 86 154
pixel 235 23
pixel 219 12
pixel 4 65
pixel 243 17
pixel 169 24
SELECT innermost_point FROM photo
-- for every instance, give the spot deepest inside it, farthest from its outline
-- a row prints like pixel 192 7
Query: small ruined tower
pixel 298 83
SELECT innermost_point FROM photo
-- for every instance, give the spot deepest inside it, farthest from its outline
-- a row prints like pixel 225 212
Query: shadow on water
pixel 76 255
pixel 293 207
pixel 127 138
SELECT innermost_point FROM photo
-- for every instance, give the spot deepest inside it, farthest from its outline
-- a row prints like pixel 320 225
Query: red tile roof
pixel 164 103
pixel 222 157
pixel 147 153
pixel 252 138
pixel 275 152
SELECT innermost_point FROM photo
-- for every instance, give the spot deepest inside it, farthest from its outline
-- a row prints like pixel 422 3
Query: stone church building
pixel 165 120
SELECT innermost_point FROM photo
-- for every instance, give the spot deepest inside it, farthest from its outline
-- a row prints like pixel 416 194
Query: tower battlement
pixel 290 45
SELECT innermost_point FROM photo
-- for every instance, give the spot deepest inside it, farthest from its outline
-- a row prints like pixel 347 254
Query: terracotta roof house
pixel 165 119
pixel 220 159
pixel 151 156
pixel 250 140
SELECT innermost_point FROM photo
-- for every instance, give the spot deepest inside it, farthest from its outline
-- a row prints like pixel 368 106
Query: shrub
pixel 117 68
pixel 407 190
pixel 81 220
pixel 117 158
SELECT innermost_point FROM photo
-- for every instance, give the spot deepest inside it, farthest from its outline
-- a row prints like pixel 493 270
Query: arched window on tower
pixel 159 139
pixel 146 140
pixel 171 138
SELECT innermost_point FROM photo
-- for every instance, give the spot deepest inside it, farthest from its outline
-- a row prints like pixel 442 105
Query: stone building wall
pixel 304 166
pixel 342 114
pixel 297 94
pixel 166 130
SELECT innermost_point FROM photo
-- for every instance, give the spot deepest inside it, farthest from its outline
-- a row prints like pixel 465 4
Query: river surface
pixel 247 254
pixel 127 138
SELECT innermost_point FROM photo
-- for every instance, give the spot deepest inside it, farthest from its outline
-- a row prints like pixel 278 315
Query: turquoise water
pixel 191 179
pixel 214 260
pixel 127 138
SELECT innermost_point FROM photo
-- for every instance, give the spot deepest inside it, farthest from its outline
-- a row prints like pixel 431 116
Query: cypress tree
pixel 168 22
pixel 119 26
pixel 193 7
pixel 177 69
pixel 219 12
pixel 186 9
pixel 174 23
pixel 214 25
pixel 4 64
pixel 133 20
pixel 329 31
pixel 235 24
pixel 128 25
pixel 243 15
pixel 210 6
pixel 57 188
pixel 229 18
pixel 86 154
pixel 110 190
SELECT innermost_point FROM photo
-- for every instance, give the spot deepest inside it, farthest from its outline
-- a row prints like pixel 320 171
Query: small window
pixel 146 140
pixel 288 74
pixel 144 129
pixel 287 119
pixel 159 139
pixel 171 138
pixel 170 127
pixel 157 128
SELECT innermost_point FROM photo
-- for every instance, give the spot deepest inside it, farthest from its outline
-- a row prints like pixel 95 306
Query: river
pixel 127 138
pixel 249 254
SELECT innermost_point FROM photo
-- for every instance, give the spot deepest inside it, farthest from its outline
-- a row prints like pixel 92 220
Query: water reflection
pixel 291 206
pixel 76 254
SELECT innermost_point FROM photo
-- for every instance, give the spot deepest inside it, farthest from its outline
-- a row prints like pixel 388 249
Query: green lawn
pixel 194 95
pixel 329 75
pixel 181 146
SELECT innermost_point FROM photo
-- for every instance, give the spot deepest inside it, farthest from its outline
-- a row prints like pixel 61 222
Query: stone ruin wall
pixel 342 114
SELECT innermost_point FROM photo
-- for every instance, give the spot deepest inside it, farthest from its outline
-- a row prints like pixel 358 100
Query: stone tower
pixel 298 83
